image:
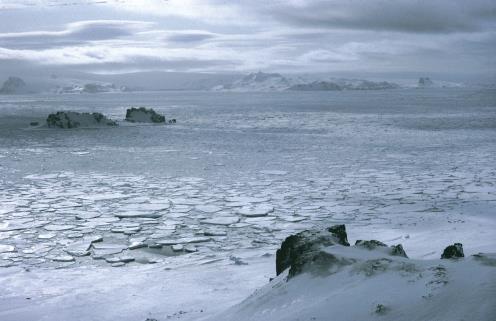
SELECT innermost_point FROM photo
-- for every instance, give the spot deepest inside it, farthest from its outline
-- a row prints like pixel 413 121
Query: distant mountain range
pixel 276 82
pixel 157 81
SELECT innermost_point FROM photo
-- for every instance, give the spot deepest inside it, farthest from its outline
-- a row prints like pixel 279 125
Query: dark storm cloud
pixel 413 16
pixel 74 34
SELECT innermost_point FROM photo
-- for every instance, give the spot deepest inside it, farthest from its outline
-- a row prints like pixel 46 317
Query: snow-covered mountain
pixel 276 82
pixel 259 81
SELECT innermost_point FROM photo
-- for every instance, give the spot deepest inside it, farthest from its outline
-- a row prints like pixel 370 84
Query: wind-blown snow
pixel 368 285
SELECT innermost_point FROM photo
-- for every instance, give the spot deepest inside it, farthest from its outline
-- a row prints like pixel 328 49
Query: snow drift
pixel 320 277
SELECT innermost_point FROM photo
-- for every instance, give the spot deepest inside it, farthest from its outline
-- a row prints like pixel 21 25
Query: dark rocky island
pixel 143 115
pixel 71 119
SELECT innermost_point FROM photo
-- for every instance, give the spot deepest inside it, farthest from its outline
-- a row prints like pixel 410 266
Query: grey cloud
pixel 21 66
pixel 188 37
pixel 416 16
pixel 145 64
pixel 73 34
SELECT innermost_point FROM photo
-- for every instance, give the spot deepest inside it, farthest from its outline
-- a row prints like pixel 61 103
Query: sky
pixel 226 36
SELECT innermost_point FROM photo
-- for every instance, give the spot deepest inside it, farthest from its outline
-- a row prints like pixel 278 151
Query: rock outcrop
pixel 305 247
pixel 453 251
pixel 304 250
pixel 320 277
pixel 143 115
pixel 71 119
pixel 395 250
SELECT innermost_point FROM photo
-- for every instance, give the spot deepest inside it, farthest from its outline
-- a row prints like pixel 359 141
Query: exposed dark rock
pixel 397 250
pixel 143 115
pixel 72 119
pixel 34 123
pixel 453 251
pixel 306 251
pixel 304 247
pixel 339 231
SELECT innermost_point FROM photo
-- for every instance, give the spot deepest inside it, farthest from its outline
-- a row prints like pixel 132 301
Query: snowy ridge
pixel 360 283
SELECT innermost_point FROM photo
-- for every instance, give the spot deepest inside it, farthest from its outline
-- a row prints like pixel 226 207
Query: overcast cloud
pixel 239 36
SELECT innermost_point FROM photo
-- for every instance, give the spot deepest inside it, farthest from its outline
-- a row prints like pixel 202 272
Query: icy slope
pixel 368 283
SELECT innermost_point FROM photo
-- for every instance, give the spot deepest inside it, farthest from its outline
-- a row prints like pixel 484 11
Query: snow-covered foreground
pixel 136 222
pixel 369 285
pixel 191 291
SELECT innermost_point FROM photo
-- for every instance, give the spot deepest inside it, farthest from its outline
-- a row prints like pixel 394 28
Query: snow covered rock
pixel 71 119
pixel 13 85
pixel 328 280
pixel 453 251
pixel 305 247
pixel 143 115
pixel 395 250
